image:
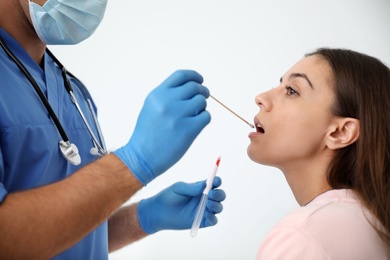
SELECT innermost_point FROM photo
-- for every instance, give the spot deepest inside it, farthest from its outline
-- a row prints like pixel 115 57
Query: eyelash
pixel 291 92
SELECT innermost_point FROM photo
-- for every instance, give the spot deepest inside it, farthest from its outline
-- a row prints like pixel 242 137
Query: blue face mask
pixel 66 21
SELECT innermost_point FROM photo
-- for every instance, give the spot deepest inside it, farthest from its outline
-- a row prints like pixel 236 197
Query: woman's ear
pixel 344 132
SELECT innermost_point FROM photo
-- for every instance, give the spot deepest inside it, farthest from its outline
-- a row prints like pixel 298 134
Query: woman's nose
pixel 263 101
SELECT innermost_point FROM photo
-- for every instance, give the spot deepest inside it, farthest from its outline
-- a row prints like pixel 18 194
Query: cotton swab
pixel 250 125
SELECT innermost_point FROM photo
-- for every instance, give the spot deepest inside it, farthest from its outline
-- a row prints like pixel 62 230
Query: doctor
pixel 57 198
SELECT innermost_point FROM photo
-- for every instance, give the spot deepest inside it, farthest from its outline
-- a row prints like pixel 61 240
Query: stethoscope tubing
pixel 94 139
pixel 69 89
pixel 68 149
pixel 38 90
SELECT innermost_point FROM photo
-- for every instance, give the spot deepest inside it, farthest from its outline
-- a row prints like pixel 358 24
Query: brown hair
pixel 362 91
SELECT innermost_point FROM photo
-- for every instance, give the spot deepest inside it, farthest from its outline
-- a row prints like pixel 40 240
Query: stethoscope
pixel 68 149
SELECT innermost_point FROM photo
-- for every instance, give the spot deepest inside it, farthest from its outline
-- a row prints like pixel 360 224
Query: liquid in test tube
pixel 202 204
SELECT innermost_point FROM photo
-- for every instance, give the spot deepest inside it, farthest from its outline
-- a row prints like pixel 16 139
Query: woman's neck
pixel 308 181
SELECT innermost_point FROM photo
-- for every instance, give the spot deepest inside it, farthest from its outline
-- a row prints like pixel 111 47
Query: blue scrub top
pixel 29 153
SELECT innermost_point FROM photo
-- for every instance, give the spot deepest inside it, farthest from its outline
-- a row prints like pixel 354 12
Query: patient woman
pixel 327 128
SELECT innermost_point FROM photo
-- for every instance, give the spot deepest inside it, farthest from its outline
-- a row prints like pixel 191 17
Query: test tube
pixel 202 204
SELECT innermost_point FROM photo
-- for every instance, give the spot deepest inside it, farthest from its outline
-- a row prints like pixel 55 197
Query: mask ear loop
pixel 68 150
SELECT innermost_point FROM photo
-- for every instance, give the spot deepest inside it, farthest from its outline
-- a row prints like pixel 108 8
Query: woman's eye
pixel 290 91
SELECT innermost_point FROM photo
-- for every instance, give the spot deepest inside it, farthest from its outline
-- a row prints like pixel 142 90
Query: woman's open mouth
pixel 258 126
pixel 259 129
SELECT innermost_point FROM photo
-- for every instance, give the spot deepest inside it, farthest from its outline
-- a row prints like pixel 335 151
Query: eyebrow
pixel 299 75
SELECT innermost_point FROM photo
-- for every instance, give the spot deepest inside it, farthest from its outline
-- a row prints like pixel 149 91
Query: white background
pixel 242 48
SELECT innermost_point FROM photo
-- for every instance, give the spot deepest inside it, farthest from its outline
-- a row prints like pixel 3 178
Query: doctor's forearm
pixel 45 221
pixel 124 228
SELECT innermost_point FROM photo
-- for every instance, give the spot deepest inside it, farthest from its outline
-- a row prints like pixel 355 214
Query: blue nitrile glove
pixel 175 207
pixel 172 117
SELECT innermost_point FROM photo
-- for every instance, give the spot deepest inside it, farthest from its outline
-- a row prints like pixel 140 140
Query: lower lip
pixel 254 134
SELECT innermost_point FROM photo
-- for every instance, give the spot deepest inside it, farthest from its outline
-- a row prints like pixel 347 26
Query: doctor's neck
pixel 14 20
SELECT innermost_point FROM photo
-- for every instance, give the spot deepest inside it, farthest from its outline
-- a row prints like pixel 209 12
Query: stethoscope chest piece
pixel 70 152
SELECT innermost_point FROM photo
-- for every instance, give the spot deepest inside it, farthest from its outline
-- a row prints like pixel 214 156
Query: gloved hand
pixel 175 207
pixel 171 118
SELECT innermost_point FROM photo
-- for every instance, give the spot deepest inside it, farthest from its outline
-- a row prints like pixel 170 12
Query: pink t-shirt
pixel 333 226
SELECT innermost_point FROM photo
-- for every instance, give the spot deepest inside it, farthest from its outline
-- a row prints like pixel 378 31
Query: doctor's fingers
pixel 193 125
pixel 189 90
pixel 217 195
pixel 217 182
pixel 214 207
pixel 191 107
pixel 209 219
pixel 181 77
